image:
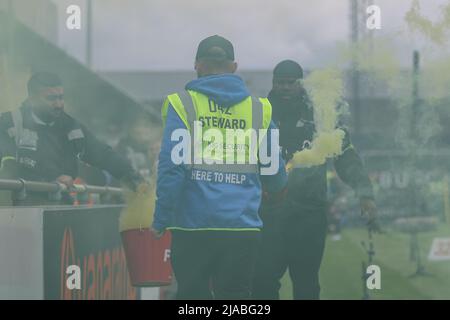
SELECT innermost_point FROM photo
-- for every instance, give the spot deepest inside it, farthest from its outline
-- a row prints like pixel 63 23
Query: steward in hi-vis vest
pixel 217 151
pixel 217 195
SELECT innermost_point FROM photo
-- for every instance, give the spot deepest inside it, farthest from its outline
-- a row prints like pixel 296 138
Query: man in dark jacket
pixel 294 231
pixel 40 142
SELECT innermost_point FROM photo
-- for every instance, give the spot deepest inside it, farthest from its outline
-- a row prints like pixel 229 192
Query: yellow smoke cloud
pixel 325 145
pixel 435 31
pixel 138 214
pixel 436 79
pixel 376 58
pixel 325 88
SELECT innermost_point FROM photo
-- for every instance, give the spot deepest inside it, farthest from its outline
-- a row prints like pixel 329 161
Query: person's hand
pixel 65 180
pixel 289 166
pixel 156 233
pixel 369 211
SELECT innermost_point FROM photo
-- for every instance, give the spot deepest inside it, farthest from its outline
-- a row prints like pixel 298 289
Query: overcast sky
pixel 164 34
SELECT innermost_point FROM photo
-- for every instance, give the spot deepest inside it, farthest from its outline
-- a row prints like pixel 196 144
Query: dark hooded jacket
pixel 52 150
pixel 307 187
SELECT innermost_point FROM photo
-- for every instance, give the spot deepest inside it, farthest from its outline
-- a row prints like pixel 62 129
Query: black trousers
pixel 214 264
pixel 293 238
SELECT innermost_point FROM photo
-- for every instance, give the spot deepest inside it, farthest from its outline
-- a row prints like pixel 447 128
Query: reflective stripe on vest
pixel 17 119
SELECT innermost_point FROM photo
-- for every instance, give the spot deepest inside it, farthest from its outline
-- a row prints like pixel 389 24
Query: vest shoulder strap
pixel 257 114
pixel 17 120
pixel 189 108
pixel 267 112
pixel 175 101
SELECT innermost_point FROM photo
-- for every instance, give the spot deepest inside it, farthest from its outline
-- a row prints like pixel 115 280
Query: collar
pixel 37 120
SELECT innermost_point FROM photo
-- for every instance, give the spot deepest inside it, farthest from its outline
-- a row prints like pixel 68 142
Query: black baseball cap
pixel 209 48
pixel 288 68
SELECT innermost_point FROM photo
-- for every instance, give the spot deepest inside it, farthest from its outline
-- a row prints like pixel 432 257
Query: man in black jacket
pixel 294 230
pixel 43 143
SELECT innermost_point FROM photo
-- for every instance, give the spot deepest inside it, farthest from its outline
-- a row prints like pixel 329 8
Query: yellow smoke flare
pixel 325 88
pixel 325 145
pixel 138 214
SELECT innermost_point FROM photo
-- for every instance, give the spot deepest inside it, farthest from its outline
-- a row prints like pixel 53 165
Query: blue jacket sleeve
pixel 277 182
pixel 171 177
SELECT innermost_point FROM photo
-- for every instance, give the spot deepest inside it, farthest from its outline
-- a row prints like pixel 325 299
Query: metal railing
pixel 55 187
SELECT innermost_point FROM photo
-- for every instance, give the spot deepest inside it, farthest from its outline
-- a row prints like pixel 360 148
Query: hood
pixel 225 89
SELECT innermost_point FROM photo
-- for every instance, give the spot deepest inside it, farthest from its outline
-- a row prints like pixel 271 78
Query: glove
pixel 133 180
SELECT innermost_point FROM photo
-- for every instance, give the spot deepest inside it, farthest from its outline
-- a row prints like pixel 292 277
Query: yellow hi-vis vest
pixel 236 124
